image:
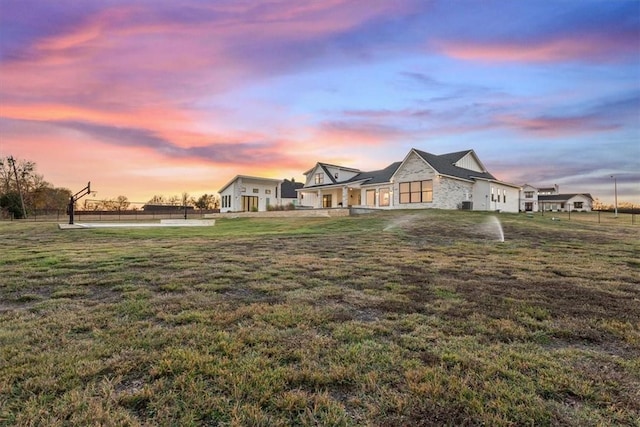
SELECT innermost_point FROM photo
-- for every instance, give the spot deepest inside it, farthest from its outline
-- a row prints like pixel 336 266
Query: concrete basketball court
pixel 162 223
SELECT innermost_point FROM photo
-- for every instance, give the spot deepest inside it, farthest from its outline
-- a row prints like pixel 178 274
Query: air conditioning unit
pixel 467 205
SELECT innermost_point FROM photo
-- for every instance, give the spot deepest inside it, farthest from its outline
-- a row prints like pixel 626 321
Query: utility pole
pixel 615 195
pixel 15 172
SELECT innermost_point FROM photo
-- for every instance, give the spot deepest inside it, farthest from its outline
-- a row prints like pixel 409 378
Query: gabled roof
pixel 377 177
pixel 364 178
pixel 444 164
pixel 562 197
pixel 329 165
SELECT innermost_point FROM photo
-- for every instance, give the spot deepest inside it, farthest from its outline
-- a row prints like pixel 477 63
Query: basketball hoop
pixel 80 194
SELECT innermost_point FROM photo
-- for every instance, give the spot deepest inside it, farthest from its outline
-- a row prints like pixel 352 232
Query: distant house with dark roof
pixel 546 199
pixel 288 193
pixel 422 180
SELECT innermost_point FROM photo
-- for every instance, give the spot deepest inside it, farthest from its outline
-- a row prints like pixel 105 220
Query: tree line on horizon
pixel 24 192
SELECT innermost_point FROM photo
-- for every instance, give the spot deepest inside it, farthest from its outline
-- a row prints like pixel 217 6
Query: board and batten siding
pixel 469 162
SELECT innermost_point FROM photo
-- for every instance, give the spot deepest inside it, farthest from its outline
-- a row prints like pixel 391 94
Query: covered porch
pixel 334 196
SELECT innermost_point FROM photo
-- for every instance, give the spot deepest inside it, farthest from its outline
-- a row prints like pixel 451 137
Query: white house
pixel 534 199
pixel 249 193
pixel 422 180
pixel 566 202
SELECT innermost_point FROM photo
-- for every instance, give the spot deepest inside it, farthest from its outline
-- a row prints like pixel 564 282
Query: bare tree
pixel 157 199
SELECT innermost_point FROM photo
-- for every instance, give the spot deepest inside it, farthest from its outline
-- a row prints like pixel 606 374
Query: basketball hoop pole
pixel 72 201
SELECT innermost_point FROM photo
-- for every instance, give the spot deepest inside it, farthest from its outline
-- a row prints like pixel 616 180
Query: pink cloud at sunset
pixel 579 47
pixel 550 127
pixel 145 98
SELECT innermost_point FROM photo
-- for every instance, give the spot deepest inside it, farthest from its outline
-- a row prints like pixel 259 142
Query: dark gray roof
pixel 444 164
pixel 288 189
pixel 561 197
pixel 377 177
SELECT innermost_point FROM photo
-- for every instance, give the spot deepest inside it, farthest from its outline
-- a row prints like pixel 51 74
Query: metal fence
pixel 600 217
pixel 122 215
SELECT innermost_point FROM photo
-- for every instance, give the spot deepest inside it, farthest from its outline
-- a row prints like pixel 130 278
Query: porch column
pixel 345 196
pixel 319 200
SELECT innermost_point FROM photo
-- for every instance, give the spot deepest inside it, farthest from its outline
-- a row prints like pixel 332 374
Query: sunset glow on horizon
pixel 160 98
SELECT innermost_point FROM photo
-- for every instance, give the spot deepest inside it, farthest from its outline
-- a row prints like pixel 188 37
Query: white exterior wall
pixel 482 200
pixel 469 162
pixel 481 196
pixel 512 203
pixel 337 174
pixel 563 206
pixel 311 177
pixel 586 203
pixel 524 200
pixel 229 191
pixel 245 187
pixel 340 175
pixel 309 198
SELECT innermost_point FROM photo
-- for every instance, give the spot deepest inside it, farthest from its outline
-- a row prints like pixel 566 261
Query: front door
pixel 528 206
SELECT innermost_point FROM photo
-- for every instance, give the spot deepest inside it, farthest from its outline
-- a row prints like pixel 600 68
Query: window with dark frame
pixel 416 191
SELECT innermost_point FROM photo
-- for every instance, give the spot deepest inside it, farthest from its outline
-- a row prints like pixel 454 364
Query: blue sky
pixel 159 97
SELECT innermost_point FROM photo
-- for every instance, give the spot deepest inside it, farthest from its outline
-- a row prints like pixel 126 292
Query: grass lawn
pixel 404 318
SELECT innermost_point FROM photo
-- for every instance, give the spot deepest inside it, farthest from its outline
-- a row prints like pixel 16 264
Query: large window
pixel 528 194
pixel 416 192
pixel 384 197
pixel 371 197
pixel 319 179
pixel 578 205
pixel 326 201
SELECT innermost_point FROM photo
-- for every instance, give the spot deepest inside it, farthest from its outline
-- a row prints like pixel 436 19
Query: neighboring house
pixel 566 202
pixel 249 193
pixel 529 198
pixel 422 180
pixel 288 193
pixel 534 199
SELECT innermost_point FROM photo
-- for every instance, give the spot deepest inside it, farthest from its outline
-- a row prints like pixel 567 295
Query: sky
pixel 159 97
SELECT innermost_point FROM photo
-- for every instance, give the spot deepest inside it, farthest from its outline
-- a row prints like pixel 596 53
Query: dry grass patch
pixel 397 318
